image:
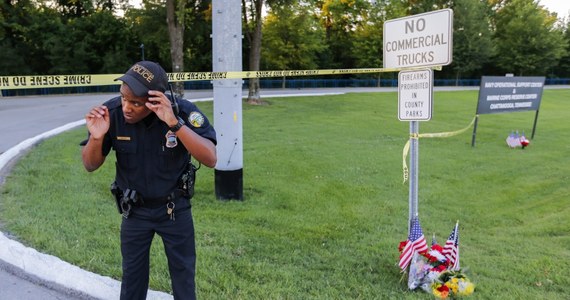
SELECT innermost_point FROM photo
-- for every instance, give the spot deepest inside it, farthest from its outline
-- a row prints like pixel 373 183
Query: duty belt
pixel 159 201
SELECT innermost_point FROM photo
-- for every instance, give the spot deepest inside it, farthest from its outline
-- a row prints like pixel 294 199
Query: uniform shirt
pixel 146 163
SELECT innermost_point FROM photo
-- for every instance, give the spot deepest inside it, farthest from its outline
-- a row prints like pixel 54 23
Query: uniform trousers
pixel 137 232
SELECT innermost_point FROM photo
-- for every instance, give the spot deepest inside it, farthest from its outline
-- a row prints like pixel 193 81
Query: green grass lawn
pixel 325 207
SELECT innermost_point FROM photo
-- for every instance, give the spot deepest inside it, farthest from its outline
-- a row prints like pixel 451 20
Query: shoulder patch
pixel 196 119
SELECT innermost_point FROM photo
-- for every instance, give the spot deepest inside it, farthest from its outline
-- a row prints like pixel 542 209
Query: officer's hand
pixel 161 106
pixel 98 122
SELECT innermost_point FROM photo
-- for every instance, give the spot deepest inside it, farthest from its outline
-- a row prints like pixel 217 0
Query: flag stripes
pixel 451 248
pixel 416 242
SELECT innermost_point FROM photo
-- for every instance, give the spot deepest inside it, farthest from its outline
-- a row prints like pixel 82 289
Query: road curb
pixel 48 268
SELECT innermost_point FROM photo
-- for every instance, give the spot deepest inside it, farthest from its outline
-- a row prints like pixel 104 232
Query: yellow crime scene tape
pixel 52 81
pixel 428 135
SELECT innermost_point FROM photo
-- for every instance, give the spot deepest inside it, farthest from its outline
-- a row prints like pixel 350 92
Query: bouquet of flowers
pixel 433 272
pixel 452 284
pixel 436 269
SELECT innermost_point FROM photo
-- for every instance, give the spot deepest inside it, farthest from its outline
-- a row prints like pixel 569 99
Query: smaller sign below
pixel 415 95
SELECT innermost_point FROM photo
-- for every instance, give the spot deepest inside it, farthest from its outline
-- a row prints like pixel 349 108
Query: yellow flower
pixel 452 286
pixel 465 288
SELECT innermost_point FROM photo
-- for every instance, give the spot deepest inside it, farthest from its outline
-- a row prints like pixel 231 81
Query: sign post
pixel 419 41
pixel 415 98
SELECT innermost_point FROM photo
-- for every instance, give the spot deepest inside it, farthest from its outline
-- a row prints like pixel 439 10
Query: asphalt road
pixel 22 118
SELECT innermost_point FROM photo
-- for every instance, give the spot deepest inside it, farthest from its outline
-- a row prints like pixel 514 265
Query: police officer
pixel 152 144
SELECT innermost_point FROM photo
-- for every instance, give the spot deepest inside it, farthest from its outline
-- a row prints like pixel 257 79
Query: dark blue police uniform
pixel 151 165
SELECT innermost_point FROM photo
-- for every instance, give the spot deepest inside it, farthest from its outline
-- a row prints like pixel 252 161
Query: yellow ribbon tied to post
pixel 427 135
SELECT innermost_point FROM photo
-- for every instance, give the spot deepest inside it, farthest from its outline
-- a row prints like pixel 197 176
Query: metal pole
pixel 534 125
pixel 474 131
pixel 227 56
pixel 414 153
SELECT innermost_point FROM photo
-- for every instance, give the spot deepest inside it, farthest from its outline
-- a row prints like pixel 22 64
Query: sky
pixel 561 7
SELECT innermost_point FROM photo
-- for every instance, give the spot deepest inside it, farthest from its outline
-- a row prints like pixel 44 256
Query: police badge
pixel 171 140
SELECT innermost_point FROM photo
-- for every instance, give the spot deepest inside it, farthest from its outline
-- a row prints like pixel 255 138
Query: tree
pixel 368 38
pixel 175 12
pixel 252 19
pixel 422 6
pixel 472 44
pixel 527 41
pixel 292 39
pixel 340 19
pixel 562 69
pixel 93 44
pixel 75 9
pixel 16 17
pixel 149 28
pixel 368 46
pixel 197 40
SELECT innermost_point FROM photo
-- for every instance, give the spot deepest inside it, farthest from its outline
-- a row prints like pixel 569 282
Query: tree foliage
pixel 292 40
pixel 561 69
pixel 74 51
pixel 527 41
pixel 367 47
pixel 472 39
pixel 491 37
pixel 340 19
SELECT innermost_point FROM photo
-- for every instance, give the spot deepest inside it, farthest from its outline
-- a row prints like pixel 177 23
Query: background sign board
pixel 499 94
pixel 419 41
pixel 415 91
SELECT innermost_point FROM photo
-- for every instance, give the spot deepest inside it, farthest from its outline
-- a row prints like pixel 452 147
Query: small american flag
pixel 451 248
pixel 416 242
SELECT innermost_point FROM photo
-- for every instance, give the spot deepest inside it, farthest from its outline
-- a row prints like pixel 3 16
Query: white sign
pixel 415 91
pixel 419 41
